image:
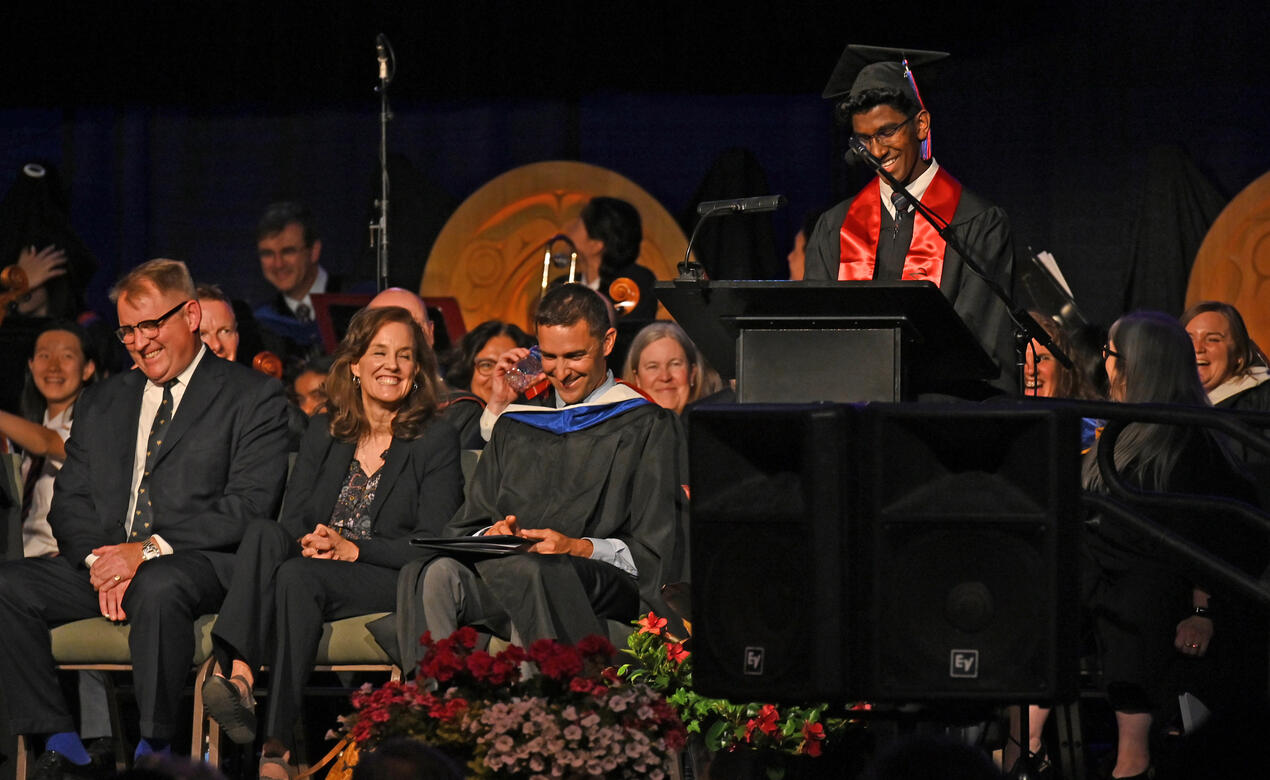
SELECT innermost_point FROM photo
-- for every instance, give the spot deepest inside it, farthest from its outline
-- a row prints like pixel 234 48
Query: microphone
pixel 742 205
pixel 381 54
pixel 857 153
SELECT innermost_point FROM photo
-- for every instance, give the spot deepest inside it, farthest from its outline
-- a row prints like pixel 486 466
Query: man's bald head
pixel 396 296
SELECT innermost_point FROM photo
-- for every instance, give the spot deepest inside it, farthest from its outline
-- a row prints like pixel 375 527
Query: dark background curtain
pixel 174 124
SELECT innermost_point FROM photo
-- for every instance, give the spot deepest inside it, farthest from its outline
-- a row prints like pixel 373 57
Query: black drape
pixel 1179 204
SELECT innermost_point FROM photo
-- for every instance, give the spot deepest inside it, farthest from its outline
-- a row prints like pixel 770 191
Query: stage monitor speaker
pixel 769 492
pixel 967 555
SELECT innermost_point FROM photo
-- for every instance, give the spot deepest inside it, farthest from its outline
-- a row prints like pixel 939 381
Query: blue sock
pixel 151 745
pixel 70 745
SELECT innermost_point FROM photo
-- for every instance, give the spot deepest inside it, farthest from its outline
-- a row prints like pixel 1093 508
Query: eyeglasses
pixel 1108 352
pixel 883 135
pixel 148 328
pixel 485 367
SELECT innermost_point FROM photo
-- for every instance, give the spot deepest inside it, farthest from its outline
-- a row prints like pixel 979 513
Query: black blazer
pixel 420 489
pixel 222 463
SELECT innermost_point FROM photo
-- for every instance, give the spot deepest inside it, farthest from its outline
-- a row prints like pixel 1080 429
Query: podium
pixel 800 342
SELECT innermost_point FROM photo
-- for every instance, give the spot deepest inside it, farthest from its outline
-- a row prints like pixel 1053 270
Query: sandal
pixel 277 767
pixel 233 710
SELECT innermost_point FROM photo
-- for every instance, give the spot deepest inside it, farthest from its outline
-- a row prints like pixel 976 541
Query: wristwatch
pixel 150 549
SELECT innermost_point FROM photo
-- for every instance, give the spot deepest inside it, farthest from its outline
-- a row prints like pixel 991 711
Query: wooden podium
pixel 800 342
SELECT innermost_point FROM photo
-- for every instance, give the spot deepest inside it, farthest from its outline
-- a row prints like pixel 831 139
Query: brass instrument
pixel 624 293
pixel 268 364
pixel 559 260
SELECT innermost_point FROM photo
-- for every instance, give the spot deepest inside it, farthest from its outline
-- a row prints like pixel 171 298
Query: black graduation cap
pixel 879 67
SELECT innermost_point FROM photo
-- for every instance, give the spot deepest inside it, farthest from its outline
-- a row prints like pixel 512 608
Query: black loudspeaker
pixel 769 487
pixel 967 555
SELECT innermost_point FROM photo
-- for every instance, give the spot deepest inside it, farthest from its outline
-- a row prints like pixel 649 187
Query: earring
pixel 414 386
pixel 357 380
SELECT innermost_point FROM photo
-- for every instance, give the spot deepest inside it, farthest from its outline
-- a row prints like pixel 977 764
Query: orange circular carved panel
pixel 489 254
pixel 1233 263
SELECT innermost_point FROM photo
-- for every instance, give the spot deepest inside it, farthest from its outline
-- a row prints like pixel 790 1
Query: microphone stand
pixel 379 228
pixel 689 270
pixel 1026 327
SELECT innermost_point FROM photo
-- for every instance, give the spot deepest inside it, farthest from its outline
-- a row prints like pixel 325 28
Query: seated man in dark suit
pixel 165 467
pixel 593 476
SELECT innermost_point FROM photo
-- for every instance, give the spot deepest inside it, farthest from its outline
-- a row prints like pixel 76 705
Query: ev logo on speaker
pixel 964 663
pixel 754 660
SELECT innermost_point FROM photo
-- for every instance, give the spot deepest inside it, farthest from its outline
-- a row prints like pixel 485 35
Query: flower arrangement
pixel 665 665
pixel 573 718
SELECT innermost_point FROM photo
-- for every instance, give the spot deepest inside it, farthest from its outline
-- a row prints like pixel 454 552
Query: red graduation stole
pixel 858 238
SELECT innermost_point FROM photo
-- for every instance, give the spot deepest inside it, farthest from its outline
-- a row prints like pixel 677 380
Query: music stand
pixel 333 311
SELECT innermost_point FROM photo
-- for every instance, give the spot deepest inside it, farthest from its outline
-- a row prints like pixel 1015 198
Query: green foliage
pixel 663 663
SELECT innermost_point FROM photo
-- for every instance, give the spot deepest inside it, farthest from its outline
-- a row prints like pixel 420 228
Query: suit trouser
pixel 162 602
pixel 275 608
pixel 522 597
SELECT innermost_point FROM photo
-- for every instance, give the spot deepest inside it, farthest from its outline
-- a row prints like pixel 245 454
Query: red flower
pixel 556 660
pixel 768 718
pixel 651 624
pixel 465 636
pixel 441 663
pixel 449 709
pixel 596 646
pixel 675 651
pixel 584 685
pixel 814 736
pixel 480 664
pixel 676 738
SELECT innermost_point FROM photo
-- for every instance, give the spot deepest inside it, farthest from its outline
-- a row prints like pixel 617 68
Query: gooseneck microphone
pixel 742 205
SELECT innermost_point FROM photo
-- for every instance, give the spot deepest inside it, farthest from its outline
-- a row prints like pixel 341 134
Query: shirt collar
pixel 183 378
pixel 917 189
pixel 605 386
pixel 318 286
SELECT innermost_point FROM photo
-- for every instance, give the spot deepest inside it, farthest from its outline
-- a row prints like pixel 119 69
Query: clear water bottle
pixel 526 372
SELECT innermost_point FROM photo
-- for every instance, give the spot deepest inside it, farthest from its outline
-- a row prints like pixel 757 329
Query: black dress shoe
pixel 102 752
pixel 55 766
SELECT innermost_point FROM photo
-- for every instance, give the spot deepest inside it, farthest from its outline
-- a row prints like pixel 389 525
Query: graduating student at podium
pixel 875 235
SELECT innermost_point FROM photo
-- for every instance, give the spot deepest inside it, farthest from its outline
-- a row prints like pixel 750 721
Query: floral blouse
pixel 351 515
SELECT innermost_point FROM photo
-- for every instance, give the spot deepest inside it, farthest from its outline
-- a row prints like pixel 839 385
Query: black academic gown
pixel 621 478
pixel 985 231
